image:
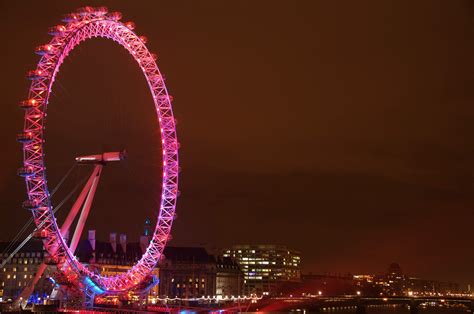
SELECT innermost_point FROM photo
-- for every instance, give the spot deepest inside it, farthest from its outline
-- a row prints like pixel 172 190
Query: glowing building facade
pixel 185 272
pixel 265 267
pixel 191 272
pixel 18 272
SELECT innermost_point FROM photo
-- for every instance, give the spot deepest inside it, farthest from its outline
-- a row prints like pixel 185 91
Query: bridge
pixel 359 304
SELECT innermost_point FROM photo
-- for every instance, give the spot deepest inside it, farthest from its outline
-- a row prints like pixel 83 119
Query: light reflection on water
pixel 432 310
pixel 396 309
pixel 428 310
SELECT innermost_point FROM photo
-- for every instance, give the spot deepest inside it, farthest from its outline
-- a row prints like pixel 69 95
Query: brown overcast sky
pixel 343 129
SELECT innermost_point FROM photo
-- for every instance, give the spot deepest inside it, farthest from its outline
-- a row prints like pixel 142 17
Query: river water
pixel 429 310
pixel 399 309
pixel 406 311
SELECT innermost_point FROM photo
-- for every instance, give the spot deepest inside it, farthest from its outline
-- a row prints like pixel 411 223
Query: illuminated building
pixel 190 272
pixel 108 258
pixel 419 286
pixel 395 283
pixel 396 280
pixel 114 257
pixel 265 267
pixel 184 272
pixel 19 271
pixel 229 277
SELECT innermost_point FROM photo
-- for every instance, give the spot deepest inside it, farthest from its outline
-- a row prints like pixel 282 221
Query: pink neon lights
pixel 84 24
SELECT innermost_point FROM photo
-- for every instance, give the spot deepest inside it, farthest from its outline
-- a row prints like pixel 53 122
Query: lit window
pixel 24 276
pixel 25 269
pixel 14 268
pixel 14 276
pixel 8 276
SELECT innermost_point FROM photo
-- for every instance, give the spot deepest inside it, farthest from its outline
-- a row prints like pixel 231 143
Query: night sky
pixel 343 129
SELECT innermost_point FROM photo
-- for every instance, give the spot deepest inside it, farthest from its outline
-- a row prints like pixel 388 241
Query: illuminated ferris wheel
pixel 84 24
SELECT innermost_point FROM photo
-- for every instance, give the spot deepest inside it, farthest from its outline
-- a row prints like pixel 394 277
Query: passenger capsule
pixel 101 10
pixel 31 204
pixel 130 25
pixel 25 137
pixel 30 103
pixel 68 18
pixel 116 16
pixel 36 74
pixel 143 39
pixel 85 10
pixel 57 30
pixel 44 49
pixel 40 234
pixel 25 172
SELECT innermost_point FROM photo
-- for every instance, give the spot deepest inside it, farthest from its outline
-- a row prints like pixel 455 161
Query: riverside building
pixel 265 267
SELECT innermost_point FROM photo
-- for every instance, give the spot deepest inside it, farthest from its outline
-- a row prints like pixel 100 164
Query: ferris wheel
pixel 79 26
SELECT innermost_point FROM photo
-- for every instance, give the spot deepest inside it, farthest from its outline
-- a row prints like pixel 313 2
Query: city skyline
pixel 194 272
pixel 340 130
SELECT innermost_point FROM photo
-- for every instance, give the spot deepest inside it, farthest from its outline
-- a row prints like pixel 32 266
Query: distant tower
pixel 147 227
pixel 146 237
pixel 395 270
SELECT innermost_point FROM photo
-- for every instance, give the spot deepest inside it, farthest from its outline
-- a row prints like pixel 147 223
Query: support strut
pixel 85 201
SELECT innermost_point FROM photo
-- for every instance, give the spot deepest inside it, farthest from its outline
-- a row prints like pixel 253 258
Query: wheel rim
pixel 85 24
